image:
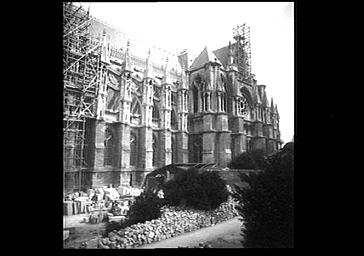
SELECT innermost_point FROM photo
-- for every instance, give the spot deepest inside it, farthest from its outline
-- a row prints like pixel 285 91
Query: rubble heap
pixel 173 222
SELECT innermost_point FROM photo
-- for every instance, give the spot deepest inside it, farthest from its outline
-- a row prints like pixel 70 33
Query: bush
pixel 146 207
pixel 204 191
pixel 267 205
pixel 249 160
pixel 111 226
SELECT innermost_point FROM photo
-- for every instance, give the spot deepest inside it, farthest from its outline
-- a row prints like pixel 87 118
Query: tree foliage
pixel 146 207
pixel 254 159
pixel 267 204
pixel 203 191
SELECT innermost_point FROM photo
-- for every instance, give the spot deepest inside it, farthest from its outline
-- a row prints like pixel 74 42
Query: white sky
pixel 175 26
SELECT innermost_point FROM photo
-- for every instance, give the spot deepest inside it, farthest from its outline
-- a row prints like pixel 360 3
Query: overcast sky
pixel 193 25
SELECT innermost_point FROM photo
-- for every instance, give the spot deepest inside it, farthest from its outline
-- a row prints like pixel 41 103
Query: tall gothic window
pixel 248 145
pixel 174 98
pixel 174 123
pixel 136 112
pixel 133 149
pixel 195 99
pixel 155 150
pixel 155 113
pixel 108 149
pixel 174 150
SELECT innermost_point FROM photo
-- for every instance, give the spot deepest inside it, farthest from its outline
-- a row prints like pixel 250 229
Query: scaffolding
pixel 82 73
pixel 242 36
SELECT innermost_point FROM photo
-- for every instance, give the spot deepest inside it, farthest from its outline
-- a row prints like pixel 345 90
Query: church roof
pixel 222 55
pixel 204 57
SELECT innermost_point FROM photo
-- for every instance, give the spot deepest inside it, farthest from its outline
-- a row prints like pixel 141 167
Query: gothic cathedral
pixel 154 110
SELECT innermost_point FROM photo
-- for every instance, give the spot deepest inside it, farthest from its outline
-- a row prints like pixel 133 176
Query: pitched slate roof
pixel 204 57
pixel 222 55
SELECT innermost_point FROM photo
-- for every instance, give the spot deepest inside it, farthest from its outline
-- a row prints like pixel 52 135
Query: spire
pixel 183 59
pixel 104 36
pixel 276 109
pixel 264 99
pixel 165 76
pixel 230 54
pixel 127 57
pixel 271 104
pixel 148 69
pixel 256 97
pixel 104 50
pixel 230 61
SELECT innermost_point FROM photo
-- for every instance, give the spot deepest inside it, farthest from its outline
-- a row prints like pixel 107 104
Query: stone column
pixel 208 139
pixel 146 156
pixel 124 130
pixel 223 140
pixel 99 145
pixel 208 147
pixel 182 134
pixel 258 141
pixel 238 136
pixel 165 147
pixel 208 101
pixel 182 147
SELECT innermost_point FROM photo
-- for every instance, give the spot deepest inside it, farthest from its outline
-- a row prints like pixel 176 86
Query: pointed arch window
pixel 174 98
pixel 155 113
pixel 136 112
pixel 195 99
pixel 174 122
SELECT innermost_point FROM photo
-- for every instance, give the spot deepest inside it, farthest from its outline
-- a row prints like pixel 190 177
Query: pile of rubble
pixel 173 222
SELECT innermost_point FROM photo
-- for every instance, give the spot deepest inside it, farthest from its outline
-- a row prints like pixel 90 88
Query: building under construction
pixel 128 112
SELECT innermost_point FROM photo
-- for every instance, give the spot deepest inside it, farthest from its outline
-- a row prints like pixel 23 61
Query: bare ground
pixel 222 235
pixel 80 231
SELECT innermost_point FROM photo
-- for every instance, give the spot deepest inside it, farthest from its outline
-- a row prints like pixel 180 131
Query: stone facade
pixel 153 112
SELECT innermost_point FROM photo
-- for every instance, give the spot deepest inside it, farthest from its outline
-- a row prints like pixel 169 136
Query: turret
pixel 104 48
pixel 127 62
pixel 148 69
pixel 231 65
pixel 165 75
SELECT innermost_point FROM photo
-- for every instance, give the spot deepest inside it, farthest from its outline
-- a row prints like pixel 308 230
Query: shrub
pixel 267 205
pixel 249 160
pixel 204 191
pixel 146 207
pixel 111 226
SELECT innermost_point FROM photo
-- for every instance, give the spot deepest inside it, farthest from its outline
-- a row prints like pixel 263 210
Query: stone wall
pixel 173 222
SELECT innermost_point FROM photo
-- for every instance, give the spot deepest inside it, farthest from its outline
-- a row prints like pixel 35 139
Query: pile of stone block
pixel 78 202
pixel 173 222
